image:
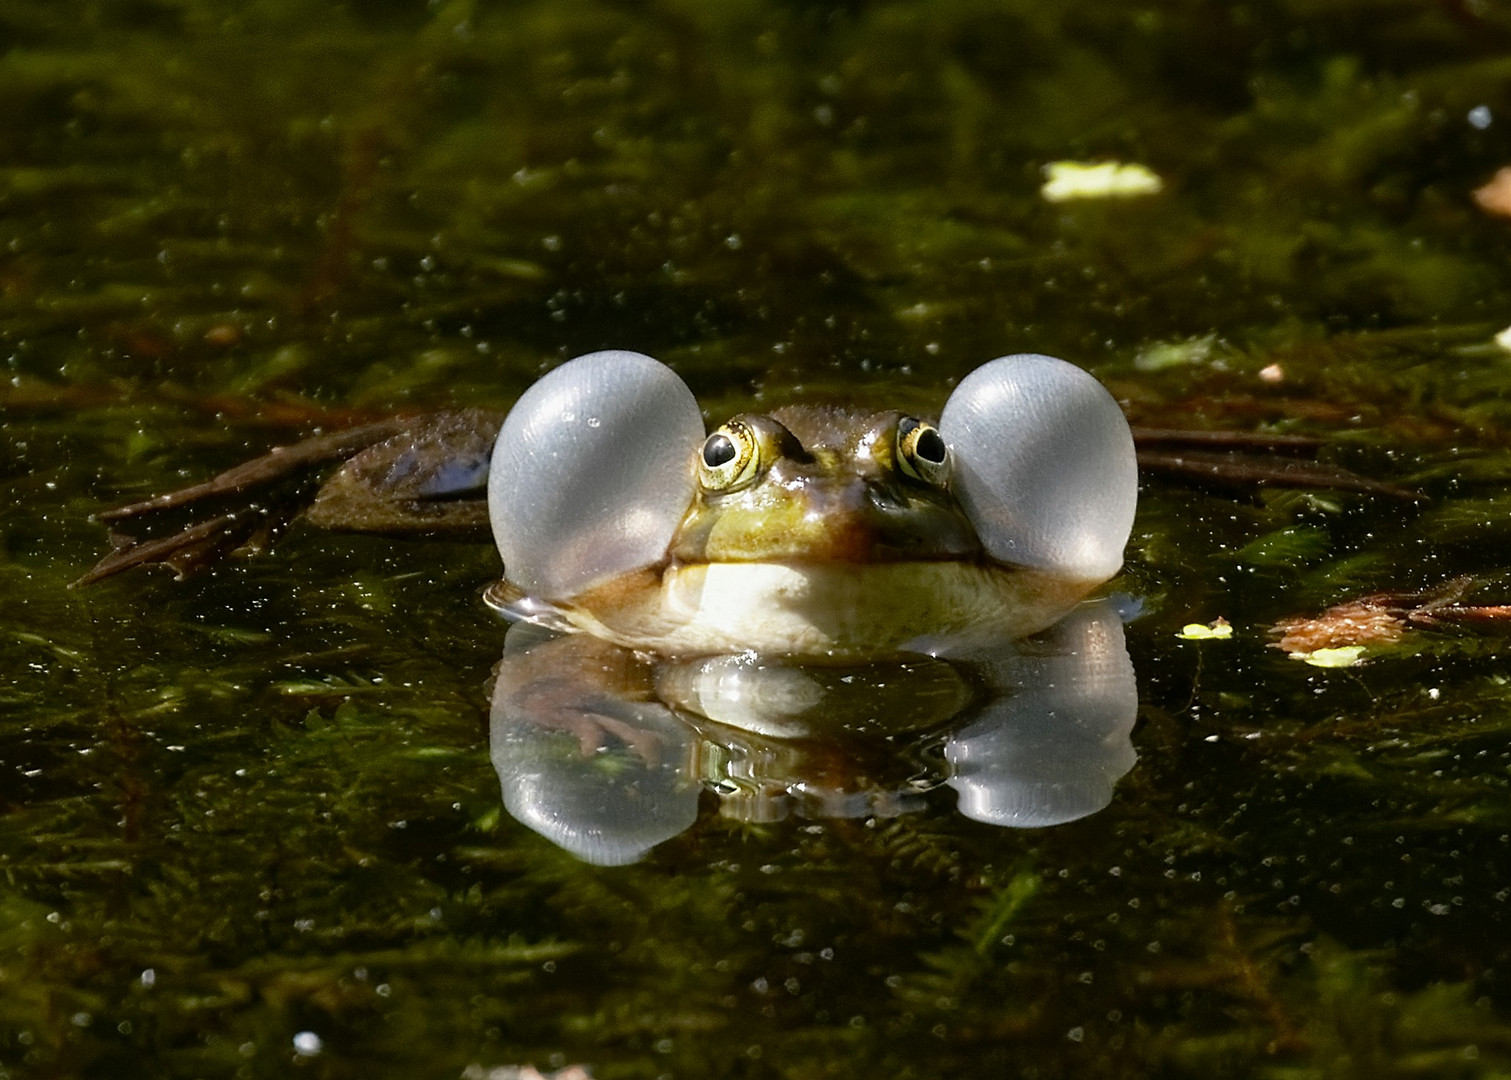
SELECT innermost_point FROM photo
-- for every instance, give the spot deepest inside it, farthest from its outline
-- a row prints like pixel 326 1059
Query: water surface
pixel 250 825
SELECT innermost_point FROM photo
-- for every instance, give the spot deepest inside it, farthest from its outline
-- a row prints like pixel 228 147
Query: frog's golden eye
pixel 730 458
pixel 921 451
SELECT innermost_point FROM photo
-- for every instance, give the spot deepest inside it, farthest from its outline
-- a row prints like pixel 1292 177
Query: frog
pixel 811 610
pixel 825 532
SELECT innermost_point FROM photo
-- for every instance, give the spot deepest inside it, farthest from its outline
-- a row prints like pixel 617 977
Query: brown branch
pixel 276 464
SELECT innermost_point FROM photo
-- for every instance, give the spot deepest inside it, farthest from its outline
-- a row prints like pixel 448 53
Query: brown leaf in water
pixel 1357 622
pixel 1381 618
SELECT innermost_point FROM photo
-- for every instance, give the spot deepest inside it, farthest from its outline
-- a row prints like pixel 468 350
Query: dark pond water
pixel 249 825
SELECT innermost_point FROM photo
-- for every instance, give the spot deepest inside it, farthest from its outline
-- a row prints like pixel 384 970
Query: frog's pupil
pixel 930 446
pixel 718 450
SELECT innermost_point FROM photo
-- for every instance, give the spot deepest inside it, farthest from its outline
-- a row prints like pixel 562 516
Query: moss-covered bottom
pixel 248 822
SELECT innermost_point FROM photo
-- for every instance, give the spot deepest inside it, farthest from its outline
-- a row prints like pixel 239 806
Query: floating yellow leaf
pixel 1345 656
pixel 1102 180
pixel 1218 629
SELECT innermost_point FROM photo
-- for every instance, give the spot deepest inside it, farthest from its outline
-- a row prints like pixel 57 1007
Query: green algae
pixel 259 803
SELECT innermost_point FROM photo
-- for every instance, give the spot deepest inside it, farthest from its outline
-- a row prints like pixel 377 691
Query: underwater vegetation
pixel 248 822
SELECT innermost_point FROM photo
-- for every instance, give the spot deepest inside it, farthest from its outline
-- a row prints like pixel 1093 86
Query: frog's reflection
pixel 605 753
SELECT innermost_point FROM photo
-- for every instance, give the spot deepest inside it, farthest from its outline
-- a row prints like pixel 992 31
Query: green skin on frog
pixel 823 533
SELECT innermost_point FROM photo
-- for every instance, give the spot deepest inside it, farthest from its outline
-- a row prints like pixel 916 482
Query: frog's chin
pixel 811 611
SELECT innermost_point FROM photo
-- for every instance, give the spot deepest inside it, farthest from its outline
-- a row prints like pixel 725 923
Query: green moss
pixel 259 802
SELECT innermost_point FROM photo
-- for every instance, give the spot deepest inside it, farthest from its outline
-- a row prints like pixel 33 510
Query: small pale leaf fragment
pixel 1217 630
pixel 1169 354
pixel 1344 656
pixel 1495 196
pixel 1067 180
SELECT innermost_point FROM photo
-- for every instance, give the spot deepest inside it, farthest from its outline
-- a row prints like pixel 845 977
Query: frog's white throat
pixel 834 611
